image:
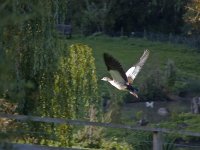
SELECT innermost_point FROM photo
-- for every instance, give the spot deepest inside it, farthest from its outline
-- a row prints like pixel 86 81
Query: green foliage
pixel 139 115
pixel 153 86
pixel 176 62
pixel 142 140
pixel 168 142
pixel 182 121
pixel 94 17
pixel 167 64
pixel 117 15
pixel 36 62
pixel 42 78
pixel 30 46
pixel 8 63
pixel 115 144
pixel 83 90
pixel 170 72
pixel 191 119
pixel 89 137
pixel 191 87
pixel 82 79
pixel 32 57
pixel 192 17
pixel 76 93
pixel 39 76
pixel 159 82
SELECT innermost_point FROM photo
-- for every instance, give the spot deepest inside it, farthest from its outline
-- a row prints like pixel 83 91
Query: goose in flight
pixel 120 79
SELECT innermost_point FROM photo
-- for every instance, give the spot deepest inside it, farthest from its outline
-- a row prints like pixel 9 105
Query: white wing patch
pixel 117 76
pixel 134 70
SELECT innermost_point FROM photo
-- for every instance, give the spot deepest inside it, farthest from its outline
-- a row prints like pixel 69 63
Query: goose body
pixel 118 85
pixel 120 79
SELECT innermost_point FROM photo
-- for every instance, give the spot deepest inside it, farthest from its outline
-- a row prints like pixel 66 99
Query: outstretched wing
pixel 115 69
pixel 134 70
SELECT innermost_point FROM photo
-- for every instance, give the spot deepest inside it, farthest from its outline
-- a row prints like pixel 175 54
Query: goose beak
pixel 134 94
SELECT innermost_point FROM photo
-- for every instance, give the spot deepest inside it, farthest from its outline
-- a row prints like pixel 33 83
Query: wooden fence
pixel 157 132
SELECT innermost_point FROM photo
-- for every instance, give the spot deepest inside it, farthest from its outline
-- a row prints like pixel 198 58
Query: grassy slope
pixel 128 51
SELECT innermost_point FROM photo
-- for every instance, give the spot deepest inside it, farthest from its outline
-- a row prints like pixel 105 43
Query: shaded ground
pixel 130 110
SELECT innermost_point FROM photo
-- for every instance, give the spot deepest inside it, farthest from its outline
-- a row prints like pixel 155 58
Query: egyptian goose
pixel 120 79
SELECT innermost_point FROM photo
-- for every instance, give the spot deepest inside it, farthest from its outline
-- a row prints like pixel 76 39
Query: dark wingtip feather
pixel 107 59
pixel 113 64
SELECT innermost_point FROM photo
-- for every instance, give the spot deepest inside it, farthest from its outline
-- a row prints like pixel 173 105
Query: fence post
pixel 157 140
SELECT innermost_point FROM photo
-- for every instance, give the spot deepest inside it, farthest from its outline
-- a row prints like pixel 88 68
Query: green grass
pixel 128 51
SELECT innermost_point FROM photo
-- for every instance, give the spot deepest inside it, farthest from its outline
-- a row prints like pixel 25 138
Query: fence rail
pixel 157 139
pixel 87 123
pixel 16 146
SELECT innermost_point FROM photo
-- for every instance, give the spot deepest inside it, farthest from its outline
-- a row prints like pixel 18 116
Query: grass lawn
pixel 128 51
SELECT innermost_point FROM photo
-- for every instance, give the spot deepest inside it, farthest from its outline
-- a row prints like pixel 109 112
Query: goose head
pixel 106 79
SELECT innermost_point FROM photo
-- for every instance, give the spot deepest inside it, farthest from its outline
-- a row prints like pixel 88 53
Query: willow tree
pixel 36 59
pixel 76 93
pixel 78 80
pixel 30 45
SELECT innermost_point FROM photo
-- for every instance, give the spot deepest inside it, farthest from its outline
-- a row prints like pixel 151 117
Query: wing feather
pixel 134 70
pixel 115 69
